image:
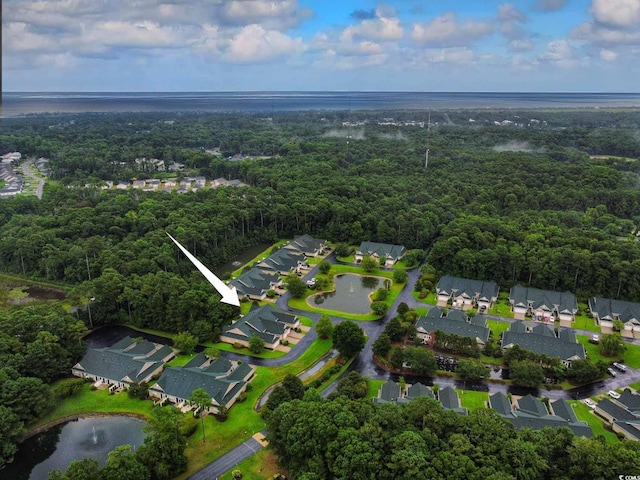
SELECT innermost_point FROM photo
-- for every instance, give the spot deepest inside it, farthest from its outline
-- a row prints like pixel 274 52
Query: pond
pixel 92 437
pixel 351 294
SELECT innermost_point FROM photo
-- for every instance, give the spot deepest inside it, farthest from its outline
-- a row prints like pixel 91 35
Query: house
pixel 307 245
pixel 139 184
pixel 450 401
pixel 623 414
pixel 266 322
pixel 391 392
pixel 219 182
pixel 543 340
pixel 123 363
pixel 122 185
pixel 543 305
pixel 465 293
pixel 255 283
pixel 284 262
pixel 455 322
pixel 390 253
pixel 529 412
pixel 200 181
pixel 222 379
pixel 606 310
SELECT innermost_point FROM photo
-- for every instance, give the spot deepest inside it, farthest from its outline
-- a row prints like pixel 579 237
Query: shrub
pixel 67 388
pixel 237 345
pixel 188 426
pixel 242 397
pixel 236 475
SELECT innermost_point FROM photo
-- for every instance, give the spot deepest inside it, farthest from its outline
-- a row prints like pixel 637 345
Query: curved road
pixel 365 365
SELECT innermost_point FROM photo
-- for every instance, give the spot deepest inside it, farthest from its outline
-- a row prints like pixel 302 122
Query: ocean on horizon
pixel 24 103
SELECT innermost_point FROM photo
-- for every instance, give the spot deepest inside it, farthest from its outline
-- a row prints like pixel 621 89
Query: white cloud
pixel 521 45
pixel 446 55
pixel 608 55
pixel 616 13
pixel 131 35
pixel 509 13
pixel 560 53
pixel 446 31
pixel 606 36
pixel 255 44
pixel 550 5
pixel 380 28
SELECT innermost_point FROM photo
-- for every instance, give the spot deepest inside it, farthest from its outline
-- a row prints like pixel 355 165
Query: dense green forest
pixel 553 203
pixel 356 439
pixel 510 204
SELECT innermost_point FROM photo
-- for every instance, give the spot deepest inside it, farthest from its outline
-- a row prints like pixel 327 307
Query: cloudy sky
pixel 396 45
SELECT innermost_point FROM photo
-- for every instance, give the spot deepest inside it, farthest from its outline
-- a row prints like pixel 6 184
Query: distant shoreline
pixel 18 104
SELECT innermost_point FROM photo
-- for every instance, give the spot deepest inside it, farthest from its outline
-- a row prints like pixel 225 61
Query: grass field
pixel 261 256
pixel 472 399
pixel 582 322
pixel 259 466
pixel 497 327
pixel 631 355
pixel 585 414
pixel 374 386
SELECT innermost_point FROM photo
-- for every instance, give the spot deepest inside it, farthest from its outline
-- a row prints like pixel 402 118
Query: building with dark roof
pixel 255 283
pixel 465 293
pixel 284 262
pixel 271 325
pixel 455 322
pixel 390 391
pixel 542 340
pixel 606 310
pixel 222 379
pixel 450 401
pixel 390 253
pixel 529 412
pixel 307 245
pixel 543 305
pixel 623 414
pixel 123 363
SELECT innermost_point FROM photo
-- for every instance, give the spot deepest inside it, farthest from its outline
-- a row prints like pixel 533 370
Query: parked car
pixel 613 394
pixel 595 338
pixel 619 366
pixel 611 371
pixel 483 309
pixel 589 403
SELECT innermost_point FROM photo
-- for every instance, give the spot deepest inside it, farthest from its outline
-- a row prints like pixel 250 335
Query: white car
pixel 613 394
pixel 589 403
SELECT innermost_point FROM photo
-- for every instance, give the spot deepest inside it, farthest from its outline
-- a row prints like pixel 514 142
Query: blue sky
pixel 397 45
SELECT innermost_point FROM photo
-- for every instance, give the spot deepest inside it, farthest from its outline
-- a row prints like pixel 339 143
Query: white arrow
pixel 229 294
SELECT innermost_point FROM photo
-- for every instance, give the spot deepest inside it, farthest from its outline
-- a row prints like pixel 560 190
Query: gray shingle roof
pixel 608 309
pixel 266 322
pixel 282 260
pixel 125 361
pixel 542 341
pixel 615 411
pixel 449 399
pixel 531 413
pixel 501 404
pixel 454 323
pixel 255 281
pixel 382 249
pixel 389 392
pixel 630 400
pixel 563 302
pixel 306 243
pixel 418 390
pixel 478 289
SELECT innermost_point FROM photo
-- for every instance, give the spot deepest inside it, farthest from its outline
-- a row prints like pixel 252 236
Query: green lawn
pixel 261 256
pixel 472 399
pixel 260 465
pixel 429 299
pixel 96 401
pixel 497 327
pixel 501 308
pixel 631 355
pixel 374 387
pixel 582 322
pixel 585 414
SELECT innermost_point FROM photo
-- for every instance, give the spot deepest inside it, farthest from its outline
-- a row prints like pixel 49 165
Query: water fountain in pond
pixel 351 290
pixel 95 436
